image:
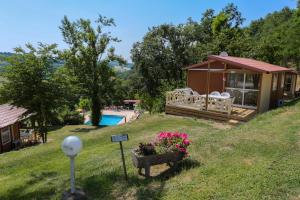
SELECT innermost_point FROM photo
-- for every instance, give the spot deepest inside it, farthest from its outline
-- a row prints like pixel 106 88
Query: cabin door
pixel 277 89
pixel 244 87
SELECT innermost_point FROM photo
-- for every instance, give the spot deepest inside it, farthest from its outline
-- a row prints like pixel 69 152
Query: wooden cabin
pixel 254 87
pixel 11 134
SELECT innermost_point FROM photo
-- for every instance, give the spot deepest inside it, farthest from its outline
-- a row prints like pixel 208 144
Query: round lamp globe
pixel 71 146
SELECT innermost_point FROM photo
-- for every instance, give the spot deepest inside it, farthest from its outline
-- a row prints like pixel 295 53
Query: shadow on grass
pixel 85 130
pixel 292 102
pixel 184 165
pixel 24 192
pixel 111 184
pixel 54 128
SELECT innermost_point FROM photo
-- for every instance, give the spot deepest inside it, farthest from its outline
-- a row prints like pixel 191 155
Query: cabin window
pixel 5 135
pixel 235 80
pixel 275 81
pixel 244 87
pixel 282 81
pixel 252 81
pixel 288 82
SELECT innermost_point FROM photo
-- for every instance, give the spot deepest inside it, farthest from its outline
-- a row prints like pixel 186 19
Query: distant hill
pixel 115 65
pixel 5 54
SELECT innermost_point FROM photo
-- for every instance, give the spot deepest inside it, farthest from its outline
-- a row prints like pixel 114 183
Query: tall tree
pixel 88 58
pixel 29 82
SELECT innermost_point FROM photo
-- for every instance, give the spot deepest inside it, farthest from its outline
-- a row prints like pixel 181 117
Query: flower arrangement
pixel 166 142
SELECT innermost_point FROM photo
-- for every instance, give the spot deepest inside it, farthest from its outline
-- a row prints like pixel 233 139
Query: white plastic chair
pixel 225 94
pixel 215 93
pixel 195 93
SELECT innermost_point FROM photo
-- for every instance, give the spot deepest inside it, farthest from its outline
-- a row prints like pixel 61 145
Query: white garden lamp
pixel 71 146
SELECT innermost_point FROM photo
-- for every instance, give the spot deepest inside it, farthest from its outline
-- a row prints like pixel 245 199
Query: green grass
pixel 256 160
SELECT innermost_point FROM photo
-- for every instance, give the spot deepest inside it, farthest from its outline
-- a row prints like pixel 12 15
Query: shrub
pixel 146 149
pixel 69 117
pixel 72 118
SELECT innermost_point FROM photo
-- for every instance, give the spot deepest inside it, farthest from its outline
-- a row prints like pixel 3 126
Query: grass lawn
pixel 256 160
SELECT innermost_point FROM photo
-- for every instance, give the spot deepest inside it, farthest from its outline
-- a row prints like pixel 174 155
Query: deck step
pixel 181 110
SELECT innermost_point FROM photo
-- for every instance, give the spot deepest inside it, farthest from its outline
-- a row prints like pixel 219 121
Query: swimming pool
pixel 108 120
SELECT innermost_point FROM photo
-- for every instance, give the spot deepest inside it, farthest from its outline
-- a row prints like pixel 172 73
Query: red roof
pixel 250 64
pixel 196 65
pixel 10 114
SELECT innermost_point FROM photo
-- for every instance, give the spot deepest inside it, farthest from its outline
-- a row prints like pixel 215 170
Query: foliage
pixel 84 104
pixel 71 92
pixel 275 38
pixel 160 57
pixel 30 83
pixel 69 117
pixel 88 59
pixel 146 149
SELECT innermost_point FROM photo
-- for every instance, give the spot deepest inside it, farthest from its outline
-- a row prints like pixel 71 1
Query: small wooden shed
pixel 10 117
pixel 254 84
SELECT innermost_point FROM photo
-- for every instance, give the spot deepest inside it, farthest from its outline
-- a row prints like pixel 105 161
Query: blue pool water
pixel 108 120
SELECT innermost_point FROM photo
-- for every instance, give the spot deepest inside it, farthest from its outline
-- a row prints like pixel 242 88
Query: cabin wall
pixel 297 87
pixel 6 146
pixel 265 94
pixel 14 135
pixel 197 80
pixel 15 131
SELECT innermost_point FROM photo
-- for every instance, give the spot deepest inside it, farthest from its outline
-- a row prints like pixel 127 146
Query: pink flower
pixel 186 142
pixel 184 135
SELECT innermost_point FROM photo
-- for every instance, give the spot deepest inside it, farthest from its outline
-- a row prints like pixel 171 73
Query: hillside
pixel 257 160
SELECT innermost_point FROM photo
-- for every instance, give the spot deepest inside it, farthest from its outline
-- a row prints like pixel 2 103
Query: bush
pixel 72 118
pixel 65 116
pixel 146 149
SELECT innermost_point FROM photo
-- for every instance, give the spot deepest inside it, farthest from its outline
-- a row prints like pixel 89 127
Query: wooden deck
pixel 237 114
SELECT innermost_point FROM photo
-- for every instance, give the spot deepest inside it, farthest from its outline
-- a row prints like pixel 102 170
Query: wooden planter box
pixel 146 162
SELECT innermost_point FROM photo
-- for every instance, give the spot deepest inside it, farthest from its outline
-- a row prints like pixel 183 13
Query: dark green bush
pixel 72 118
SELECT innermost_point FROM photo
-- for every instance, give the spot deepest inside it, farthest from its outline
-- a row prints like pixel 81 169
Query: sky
pixel 23 21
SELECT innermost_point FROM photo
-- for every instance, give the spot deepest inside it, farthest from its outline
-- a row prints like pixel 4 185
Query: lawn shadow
pixel 111 184
pixel 183 165
pixel 292 102
pixel 54 128
pixel 23 192
pixel 85 130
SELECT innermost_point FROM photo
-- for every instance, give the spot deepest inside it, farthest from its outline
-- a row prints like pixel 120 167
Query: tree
pixel 88 59
pixel 29 83
pixel 159 59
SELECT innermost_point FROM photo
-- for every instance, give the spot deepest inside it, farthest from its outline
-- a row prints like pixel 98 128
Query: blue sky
pixel 38 20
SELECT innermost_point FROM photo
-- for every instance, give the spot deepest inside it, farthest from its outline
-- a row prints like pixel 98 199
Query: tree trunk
pixel 96 110
pixel 40 125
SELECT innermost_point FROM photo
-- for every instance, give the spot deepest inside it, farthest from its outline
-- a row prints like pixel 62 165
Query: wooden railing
pixel 223 105
pixel 29 136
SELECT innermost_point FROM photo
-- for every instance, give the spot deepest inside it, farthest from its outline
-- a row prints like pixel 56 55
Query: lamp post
pixel 71 146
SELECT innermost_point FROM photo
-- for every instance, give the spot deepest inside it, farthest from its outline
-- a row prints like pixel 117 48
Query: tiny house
pixel 254 84
pixel 10 124
pixel 226 87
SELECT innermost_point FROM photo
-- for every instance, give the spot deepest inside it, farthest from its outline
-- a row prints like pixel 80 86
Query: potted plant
pixel 168 147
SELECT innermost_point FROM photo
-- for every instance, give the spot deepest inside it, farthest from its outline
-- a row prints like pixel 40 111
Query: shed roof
pixel 246 63
pixel 10 114
pixel 250 64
